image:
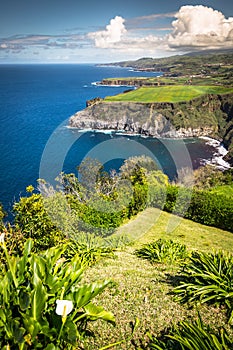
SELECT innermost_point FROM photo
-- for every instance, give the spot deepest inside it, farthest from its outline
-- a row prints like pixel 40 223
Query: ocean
pixel 35 105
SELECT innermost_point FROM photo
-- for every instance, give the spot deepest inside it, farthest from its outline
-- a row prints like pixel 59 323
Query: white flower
pixel 64 307
pixel 2 236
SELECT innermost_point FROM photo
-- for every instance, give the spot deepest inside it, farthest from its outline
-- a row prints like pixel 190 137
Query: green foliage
pixel 208 177
pixel 33 220
pixel 2 215
pixel 145 162
pixel 89 248
pixel 30 288
pixel 14 241
pixel 157 188
pixel 163 251
pixel 90 219
pixel 140 191
pixel 192 336
pixel 211 209
pixel 204 206
pixel 207 277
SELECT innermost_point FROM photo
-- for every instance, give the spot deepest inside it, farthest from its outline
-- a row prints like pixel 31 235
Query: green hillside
pixel 144 290
pixel 172 94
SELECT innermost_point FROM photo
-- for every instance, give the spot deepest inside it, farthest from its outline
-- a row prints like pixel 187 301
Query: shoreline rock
pixel 208 115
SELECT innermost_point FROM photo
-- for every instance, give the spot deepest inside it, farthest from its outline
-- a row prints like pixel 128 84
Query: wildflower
pixel 64 307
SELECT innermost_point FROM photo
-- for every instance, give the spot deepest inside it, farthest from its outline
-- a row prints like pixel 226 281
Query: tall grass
pixel 208 278
pixel 163 251
pixel 192 336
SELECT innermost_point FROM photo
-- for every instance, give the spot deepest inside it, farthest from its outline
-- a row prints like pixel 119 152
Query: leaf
pixel 39 297
pixel 97 312
pixel 33 327
pixel 18 332
pixel 28 247
pixel 87 292
pixel 51 347
pixel 72 332
pixel 24 299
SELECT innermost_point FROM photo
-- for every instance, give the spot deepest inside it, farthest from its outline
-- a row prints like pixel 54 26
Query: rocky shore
pixel 209 115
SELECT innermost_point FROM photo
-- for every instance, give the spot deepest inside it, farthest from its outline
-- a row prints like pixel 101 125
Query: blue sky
pixel 73 31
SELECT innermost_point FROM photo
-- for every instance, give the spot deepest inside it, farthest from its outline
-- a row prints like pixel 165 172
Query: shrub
pixel 211 209
pixel 207 277
pixel 203 206
pixel 33 220
pixel 88 248
pixel 163 251
pixel 43 304
pixel 192 336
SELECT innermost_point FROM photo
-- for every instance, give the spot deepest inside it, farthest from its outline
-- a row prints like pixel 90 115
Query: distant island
pixel 193 98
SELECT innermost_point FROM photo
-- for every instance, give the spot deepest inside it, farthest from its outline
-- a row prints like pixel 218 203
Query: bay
pixel 35 104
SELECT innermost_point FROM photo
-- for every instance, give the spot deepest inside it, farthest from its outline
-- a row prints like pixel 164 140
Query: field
pixel 142 290
pixel 176 93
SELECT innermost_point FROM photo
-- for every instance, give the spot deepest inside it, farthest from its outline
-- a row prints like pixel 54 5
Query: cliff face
pixel 209 115
pixel 130 82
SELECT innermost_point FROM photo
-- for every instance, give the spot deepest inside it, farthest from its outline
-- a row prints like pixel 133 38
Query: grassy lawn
pixel 143 290
pixel 176 93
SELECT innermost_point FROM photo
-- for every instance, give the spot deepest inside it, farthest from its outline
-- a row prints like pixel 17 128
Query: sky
pixel 73 31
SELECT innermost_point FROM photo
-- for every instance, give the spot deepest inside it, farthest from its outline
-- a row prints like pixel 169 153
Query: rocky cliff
pixel 130 82
pixel 209 115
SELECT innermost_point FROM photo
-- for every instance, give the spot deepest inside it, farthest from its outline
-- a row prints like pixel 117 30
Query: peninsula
pixel 172 107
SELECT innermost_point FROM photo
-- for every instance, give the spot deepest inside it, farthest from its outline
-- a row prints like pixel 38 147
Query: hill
pixel 144 290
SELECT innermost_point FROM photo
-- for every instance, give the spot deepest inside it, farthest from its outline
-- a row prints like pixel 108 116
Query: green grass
pixel 143 290
pixel 176 93
pixel 153 224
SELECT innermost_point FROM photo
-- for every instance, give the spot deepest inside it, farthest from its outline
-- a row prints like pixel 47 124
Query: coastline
pixel 218 156
pixel 216 161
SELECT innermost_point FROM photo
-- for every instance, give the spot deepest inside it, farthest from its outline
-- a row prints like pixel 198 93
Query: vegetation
pixel 42 302
pixel 208 277
pixel 145 290
pixel 172 94
pixel 186 78
pixel 192 336
pixel 163 251
pixel 153 265
pixel 213 67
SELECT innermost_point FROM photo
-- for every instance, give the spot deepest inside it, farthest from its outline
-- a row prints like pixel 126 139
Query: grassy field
pixel 143 290
pixel 176 93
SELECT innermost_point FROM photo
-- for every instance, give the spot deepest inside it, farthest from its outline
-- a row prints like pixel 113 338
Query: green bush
pixel 32 219
pixel 43 304
pixel 89 248
pixel 90 219
pixel 211 209
pixel 192 336
pixel 203 206
pixel 207 277
pixel 163 251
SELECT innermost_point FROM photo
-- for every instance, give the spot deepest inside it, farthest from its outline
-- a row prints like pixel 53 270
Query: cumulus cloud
pixel 200 26
pixel 111 35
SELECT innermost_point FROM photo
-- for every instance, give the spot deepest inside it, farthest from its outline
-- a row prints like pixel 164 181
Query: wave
pixel 218 156
pixel 97 83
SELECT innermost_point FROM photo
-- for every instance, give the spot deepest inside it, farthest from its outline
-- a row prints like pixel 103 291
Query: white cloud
pixel 195 27
pixel 111 35
pixel 200 26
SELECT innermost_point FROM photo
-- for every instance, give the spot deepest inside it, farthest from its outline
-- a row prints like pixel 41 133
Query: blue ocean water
pixel 35 104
